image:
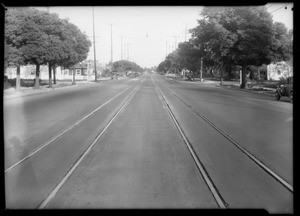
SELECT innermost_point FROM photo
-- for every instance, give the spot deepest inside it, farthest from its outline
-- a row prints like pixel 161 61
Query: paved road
pixel 116 145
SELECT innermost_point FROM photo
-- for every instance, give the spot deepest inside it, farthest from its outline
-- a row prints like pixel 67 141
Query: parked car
pixel 285 90
pixel 189 76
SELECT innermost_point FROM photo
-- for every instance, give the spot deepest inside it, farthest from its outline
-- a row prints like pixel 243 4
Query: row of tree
pixel 42 38
pixel 125 66
pixel 229 37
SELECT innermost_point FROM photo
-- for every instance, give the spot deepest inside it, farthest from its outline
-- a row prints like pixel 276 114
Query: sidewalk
pixel 27 91
pixel 232 85
pixel 253 89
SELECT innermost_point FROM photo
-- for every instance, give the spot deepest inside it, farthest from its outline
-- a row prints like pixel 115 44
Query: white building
pixel 28 72
pixel 278 70
pixel 83 71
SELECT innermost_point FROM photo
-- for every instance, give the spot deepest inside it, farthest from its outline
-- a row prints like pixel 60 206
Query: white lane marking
pixel 60 134
pixel 69 173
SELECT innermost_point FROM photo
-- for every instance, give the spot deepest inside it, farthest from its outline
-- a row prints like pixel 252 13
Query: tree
pixel 42 38
pixel 13 58
pixel 213 39
pixel 32 40
pixel 173 62
pixel 189 56
pixel 254 39
pixel 124 66
pixel 239 35
pixel 281 40
pixel 163 67
pixel 76 45
pixel 67 44
pixel 56 52
pixel 12 55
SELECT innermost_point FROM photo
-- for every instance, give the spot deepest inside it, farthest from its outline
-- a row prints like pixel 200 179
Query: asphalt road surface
pixel 148 142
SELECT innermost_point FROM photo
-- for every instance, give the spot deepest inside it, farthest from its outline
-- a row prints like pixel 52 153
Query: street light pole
pixel 94 47
pixel 201 70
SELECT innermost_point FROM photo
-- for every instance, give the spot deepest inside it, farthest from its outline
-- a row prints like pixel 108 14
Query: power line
pixel 280 8
pixel 270 6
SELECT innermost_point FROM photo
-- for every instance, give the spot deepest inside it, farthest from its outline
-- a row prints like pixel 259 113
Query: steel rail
pixel 63 132
pixel 245 151
pixel 72 169
pixel 216 194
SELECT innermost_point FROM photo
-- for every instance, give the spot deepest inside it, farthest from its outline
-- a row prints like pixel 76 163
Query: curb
pixel 47 89
pixel 212 84
pixel 40 91
pixel 270 93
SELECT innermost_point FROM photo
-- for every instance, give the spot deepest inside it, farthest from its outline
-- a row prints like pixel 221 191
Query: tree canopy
pixel 232 36
pixel 38 37
pixel 124 66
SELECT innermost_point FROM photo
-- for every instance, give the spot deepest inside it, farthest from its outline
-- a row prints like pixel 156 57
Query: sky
pixel 144 34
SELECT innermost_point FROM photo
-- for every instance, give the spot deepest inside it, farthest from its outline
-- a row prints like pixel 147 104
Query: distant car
pixel 285 90
pixel 189 77
pixel 133 74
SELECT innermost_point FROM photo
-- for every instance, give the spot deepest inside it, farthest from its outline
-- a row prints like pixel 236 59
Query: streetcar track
pixel 52 194
pixel 63 132
pixel 245 151
pixel 213 189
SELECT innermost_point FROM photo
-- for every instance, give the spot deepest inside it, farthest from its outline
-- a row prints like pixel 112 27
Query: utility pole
pixel 201 80
pixel 122 47
pixel 185 31
pixel 166 49
pixel 111 42
pixel 128 52
pixel 94 47
pixel 175 42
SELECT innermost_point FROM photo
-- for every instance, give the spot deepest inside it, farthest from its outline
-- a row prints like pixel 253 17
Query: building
pixel 83 71
pixel 27 72
pixel 80 70
pixel 278 70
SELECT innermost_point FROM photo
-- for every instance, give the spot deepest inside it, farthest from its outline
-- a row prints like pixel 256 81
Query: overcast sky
pixel 149 33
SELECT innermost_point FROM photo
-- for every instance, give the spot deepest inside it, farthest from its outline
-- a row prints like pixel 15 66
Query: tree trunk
pixel 251 74
pixel 73 83
pixel 18 82
pixel 50 76
pixel 54 75
pixel 37 77
pixel 229 71
pixel 221 83
pixel 244 77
